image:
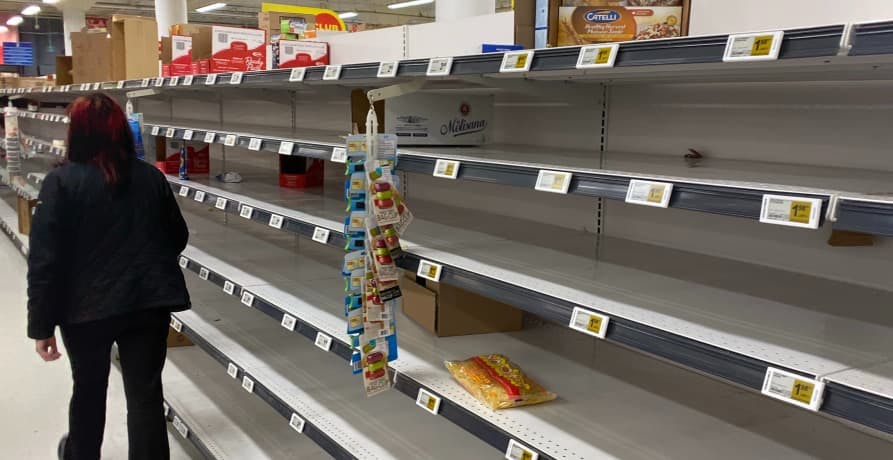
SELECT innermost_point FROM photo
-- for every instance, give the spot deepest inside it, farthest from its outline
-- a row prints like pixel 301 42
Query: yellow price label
pixel 762 45
pixel 656 194
pixel 432 272
pixel 450 168
pixel 558 183
pixel 800 211
pixel 595 324
pixel 521 62
pixel 802 391
pixel 432 403
pixel 527 455
pixel 603 56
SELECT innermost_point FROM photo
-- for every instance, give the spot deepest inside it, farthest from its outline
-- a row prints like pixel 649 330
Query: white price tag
pixel 428 401
pixel 235 78
pixel 388 69
pixel 145 82
pixel 247 298
pixel 199 196
pixel 761 46
pixel 332 72
pixel 289 322
pixel 187 135
pixel 296 423
pixel 96 86
pixel 429 270
pixel 518 451
pixel 211 79
pixel 176 325
pixel 286 148
pixel 792 388
pixel 184 262
pixel 248 384
pixel 229 287
pixel 232 370
pixel 648 193
pixel 321 235
pixel 230 140
pixel 589 322
pixel 209 138
pixel 553 181
pixel 255 144
pixel 221 203
pixel 156 130
pixel 439 67
pixel 181 427
pixel 246 211
pixel 323 341
pixel 170 132
pixel 595 56
pixel 174 81
pixel 276 221
pixel 121 84
pixel 184 191
pixel 159 82
pixel 339 155
pixel 297 74
pixel 187 80
pixel 167 409
pixel 791 211
pixel 516 61
pixel 447 169
pixel 203 274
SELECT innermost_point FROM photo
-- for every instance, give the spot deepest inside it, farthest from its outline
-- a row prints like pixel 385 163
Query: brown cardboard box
pixel 25 207
pixel 201 38
pixel 64 75
pixel 90 57
pixel 447 311
pixel 177 339
pixel 134 47
pixel 270 21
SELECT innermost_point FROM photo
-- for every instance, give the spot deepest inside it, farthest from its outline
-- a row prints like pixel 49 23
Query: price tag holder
pixel 247 384
pixel 181 427
pixel 276 221
pixel 339 155
pixel 255 144
pixel 761 46
pixel 229 287
pixel 321 235
pixel 187 134
pixel 428 401
pixel 211 79
pixel 553 181
pixel 221 203
pixel 121 84
pixel 209 138
pixel 518 451
pixel 387 69
pixel 296 423
pixel 323 341
pixel 794 389
pixel 159 82
pixel 332 72
pixel 447 169
pixel 648 193
pixel 199 196
pixel 286 148
pixel 187 80
pixel 246 212
pixel 247 298
pixel 96 86
pixel 184 262
pixel 230 140
pixel 184 191
pixel 235 78
pixel 203 274
pixel 791 211
pixel 170 132
pixel 596 56
pixel 429 270
pixel 589 322
pixel 145 82
pixel 167 409
pixel 297 74
pixel 176 325
pixel 516 61
pixel 439 67
pixel 156 130
pixel 289 322
pixel 232 370
pixel 174 81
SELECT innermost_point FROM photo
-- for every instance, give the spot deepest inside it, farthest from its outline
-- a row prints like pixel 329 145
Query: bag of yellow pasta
pixel 498 382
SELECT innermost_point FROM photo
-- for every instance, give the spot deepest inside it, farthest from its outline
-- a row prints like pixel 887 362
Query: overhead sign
pixel 326 19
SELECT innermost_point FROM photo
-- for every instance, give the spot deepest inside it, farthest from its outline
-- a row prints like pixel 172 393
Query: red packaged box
pixel 302 53
pixel 235 49
pixel 165 70
pixel 198 161
pixel 181 55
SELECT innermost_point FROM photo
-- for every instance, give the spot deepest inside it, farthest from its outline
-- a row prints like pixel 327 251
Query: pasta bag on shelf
pixel 498 382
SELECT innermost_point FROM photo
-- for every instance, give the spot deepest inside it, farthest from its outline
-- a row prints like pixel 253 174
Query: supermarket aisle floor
pixel 35 394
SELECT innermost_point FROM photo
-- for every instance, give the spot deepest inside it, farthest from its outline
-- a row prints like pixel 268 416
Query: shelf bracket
pixel 400 89
pixel 833 207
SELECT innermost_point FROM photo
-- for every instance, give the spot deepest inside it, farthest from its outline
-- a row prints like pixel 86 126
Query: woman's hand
pixel 47 349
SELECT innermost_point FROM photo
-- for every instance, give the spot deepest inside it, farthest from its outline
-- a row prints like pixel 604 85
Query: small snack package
pixel 498 382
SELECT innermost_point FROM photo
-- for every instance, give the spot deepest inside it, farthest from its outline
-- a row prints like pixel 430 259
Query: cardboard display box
pixel 582 22
pixel 176 52
pixel 177 339
pixel 90 57
pixel 64 75
pixel 167 156
pixel 25 209
pixel 447 311
pixel 234 49
pixel 293 53
pixel 134 47
pixel 436 119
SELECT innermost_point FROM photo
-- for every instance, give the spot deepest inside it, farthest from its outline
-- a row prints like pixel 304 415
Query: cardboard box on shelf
pixel 300 172
pixel 295 23
pixel 24 208
pixel 91 57
pixel 134 47
pixel 235 49
pixel 64 75
pixel 167 156
pixel 176 52
pixel 447 311
pixel 293 53
pixel 604 21
pixel 436 119
pixel 177 339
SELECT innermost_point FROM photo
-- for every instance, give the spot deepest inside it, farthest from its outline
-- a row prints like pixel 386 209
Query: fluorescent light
pixel 4 29
pixel 15 20
pixel 51 2
pixel 397 6
pixel 348 15
pixel 31 10
pixel 211 7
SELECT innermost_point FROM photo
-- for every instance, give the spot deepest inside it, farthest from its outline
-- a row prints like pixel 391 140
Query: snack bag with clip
pixel 498 382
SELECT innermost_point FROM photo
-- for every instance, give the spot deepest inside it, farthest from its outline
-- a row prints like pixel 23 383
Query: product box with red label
pixel 295 53
pixel 181 55
pixel 235 49
pixel 582 25
pixel 198 158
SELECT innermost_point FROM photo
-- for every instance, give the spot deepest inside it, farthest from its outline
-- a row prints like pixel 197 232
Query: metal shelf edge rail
pixel 304 148
pixel 865 216
pixel 872 38
pixel 190 435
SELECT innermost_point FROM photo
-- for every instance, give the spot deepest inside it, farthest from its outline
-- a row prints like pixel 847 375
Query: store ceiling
pixel 244 12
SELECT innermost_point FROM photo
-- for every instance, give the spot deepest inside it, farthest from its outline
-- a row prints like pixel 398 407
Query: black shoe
pixel 60 451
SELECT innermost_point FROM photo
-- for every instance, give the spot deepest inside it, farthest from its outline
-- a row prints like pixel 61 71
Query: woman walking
pixel 102 267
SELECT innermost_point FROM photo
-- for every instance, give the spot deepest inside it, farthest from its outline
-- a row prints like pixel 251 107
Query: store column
pixel 458 9
pixel 168 13
pixel 74 19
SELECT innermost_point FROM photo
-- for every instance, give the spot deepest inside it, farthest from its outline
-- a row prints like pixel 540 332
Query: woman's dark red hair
pixel 99 134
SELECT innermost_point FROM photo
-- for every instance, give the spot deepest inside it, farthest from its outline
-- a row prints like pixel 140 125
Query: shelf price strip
pixel 648 193
pixel 332 72
pixel 289 322
pixel 429 270
pixel 229 287
pixel 426 400
pixel 793 389
pixel 187 135
pixel 446 169
pixel 791 211
pixel 387 69
pixel 516 61
pixel 247 384
pixel 762 46
pixel 199 196
pixel 297 74
pixel 180 427
pixel 209 137
pixel 596 56
pixel 296 423
pixel 232 370
pixel 235 78
pixel 286 148
pixel 221 203
pixel 439 67
pixel 553 181
pixel 187 80
pixel 589 322
pixel 203 274
pixel 518 451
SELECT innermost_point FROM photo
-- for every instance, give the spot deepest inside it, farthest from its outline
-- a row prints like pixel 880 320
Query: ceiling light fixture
pixel 31 10
pixel 211 7
pixel 51 2
pixel 397 6
pixel 348 15
pixel 15 20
